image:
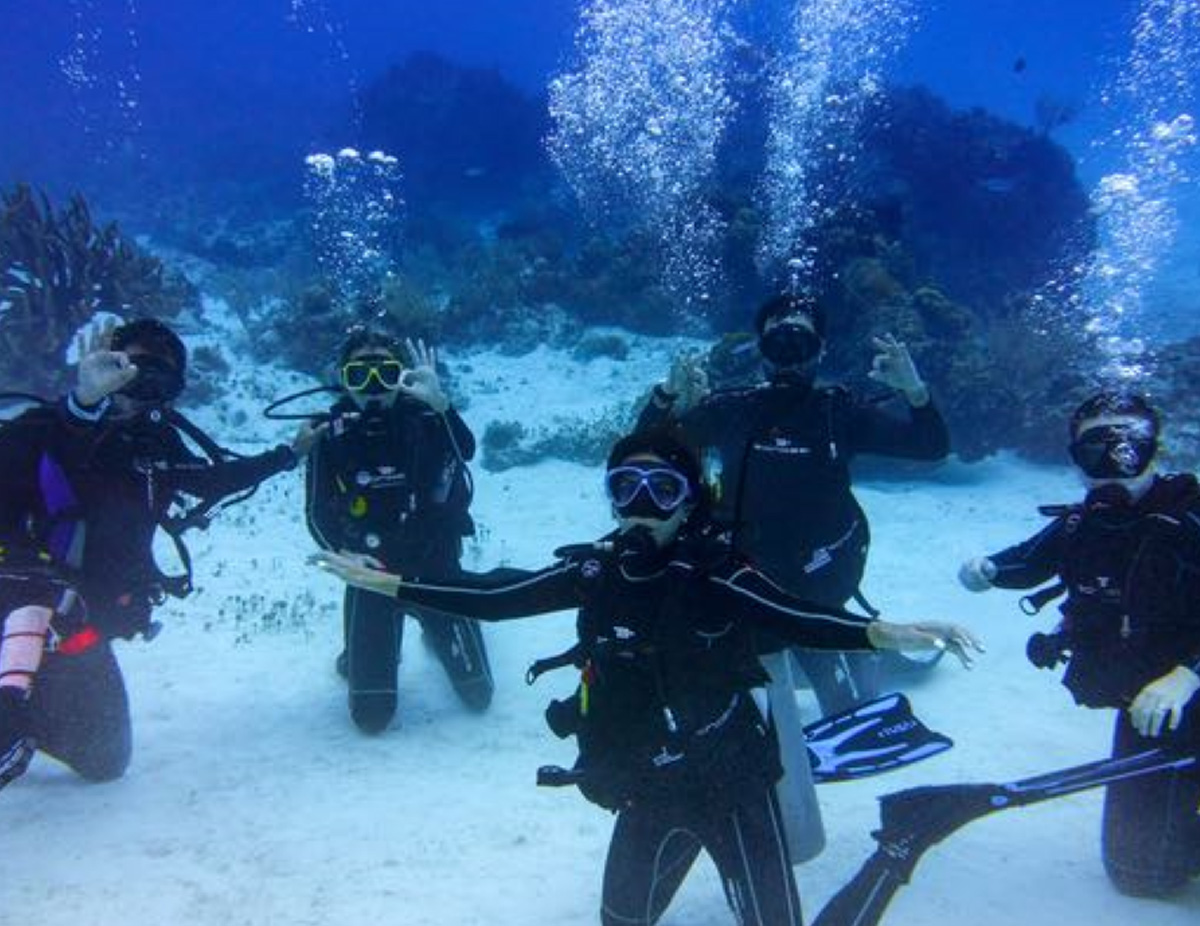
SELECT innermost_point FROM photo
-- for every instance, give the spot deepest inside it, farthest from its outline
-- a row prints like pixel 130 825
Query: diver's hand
pixel 421 381
pixel 893 366
pixel 358 569
pixel 687 381
pixel 975 575
pixel 307 436
pixel 926 636
pixel 101 371
pixel 1164 698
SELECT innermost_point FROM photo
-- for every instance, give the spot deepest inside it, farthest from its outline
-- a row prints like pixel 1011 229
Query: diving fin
pixel 915 820
pixel 873 737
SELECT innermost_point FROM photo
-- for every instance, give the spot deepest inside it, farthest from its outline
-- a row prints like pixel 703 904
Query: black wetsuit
pixel 1131 615
pixel 90 494
pixel 392 483
pixel 779 455
pixel 670 733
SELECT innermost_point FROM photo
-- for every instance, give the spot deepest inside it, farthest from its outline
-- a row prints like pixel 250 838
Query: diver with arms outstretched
pixel 671 733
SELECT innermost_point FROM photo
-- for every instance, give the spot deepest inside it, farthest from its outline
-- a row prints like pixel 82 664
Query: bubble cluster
pixel 102 68
pixel 313 18
pixel 819 85
pixel 357 212
pixel 638 122
pixel 1135 205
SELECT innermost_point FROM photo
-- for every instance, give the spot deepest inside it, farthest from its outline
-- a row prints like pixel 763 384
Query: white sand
pixel 253 800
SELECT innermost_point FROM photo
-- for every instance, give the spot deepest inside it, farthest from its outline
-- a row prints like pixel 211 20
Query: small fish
pixel 1019 65
pixel 474 173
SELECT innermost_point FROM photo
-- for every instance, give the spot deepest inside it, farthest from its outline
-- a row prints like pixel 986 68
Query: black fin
pixel 914 820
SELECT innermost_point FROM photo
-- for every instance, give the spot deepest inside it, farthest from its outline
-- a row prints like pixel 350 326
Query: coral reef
pixel 596 344
pixel 1173 389
pixel 460 133
pixel 56 270
pixel 997 376
pixel 987 208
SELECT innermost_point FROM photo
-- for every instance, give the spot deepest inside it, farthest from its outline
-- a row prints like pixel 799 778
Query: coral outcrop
pixel 57 268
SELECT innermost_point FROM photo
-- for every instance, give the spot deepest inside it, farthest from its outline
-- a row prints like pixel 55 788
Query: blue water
pixel 232 76
pixel 118 97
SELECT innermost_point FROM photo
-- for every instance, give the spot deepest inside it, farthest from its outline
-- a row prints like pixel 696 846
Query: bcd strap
pixel 555 776
pixel 570 657
pixel 1034 602
pixel 199 515
pixel 861 600
pixel 179 586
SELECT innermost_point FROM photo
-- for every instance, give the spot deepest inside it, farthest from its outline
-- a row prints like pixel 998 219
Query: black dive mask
pixel 158 380
pixel 790 345
pixel 1114 451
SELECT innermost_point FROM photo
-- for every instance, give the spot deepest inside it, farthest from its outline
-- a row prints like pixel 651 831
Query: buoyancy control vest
pixel 392 483
pixel 663 710
pixel 781 472
pixel 1131 573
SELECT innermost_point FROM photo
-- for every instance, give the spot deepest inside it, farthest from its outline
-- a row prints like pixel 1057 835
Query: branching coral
pixel 56 270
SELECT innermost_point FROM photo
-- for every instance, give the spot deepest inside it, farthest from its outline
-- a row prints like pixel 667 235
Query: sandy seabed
pixel 252 800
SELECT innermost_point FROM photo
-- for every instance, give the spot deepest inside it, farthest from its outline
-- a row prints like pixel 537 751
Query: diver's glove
pixel 976 574
pixel 893 366
pixel 1164 698
pixel 16 742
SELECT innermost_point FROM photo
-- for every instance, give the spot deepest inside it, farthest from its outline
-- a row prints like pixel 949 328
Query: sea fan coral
pixel 56 270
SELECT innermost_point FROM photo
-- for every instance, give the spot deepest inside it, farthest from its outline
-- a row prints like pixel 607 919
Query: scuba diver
pixel 1128 560
pixel 88 481
pixel 389 479
pixel 777 456
pixel 672 734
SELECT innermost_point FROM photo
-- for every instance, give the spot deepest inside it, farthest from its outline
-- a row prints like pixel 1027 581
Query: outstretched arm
pixel 214 481
pixel 502 594
pixel 754 597
pixel 1023 565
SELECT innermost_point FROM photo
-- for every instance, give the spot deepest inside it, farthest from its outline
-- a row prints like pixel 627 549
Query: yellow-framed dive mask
pixel 372 374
